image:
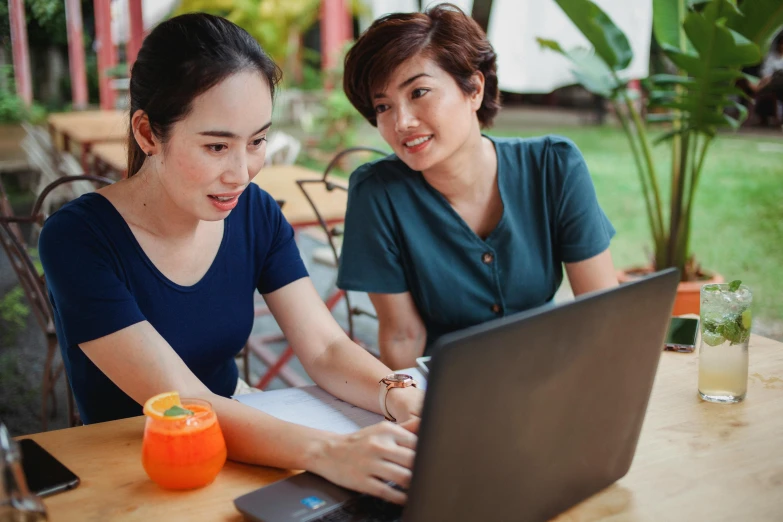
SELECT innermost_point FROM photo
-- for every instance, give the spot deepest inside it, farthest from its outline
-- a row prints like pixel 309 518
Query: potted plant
pixel 709 42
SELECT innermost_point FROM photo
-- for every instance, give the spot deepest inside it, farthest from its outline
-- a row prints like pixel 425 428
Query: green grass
pixel 738 214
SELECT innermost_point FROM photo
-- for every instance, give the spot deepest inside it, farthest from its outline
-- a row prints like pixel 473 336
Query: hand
pixel 366 460
pixel 405 403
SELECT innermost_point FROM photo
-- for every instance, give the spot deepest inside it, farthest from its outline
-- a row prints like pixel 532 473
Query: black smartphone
pixel 45 474
pixel 682 333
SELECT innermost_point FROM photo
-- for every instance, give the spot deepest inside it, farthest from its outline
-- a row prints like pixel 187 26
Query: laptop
pixel 524 416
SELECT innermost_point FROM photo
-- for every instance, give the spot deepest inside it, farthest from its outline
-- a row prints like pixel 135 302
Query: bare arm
pixel 335 363
pixel 590 275
pixel 401 332
pixel 143 364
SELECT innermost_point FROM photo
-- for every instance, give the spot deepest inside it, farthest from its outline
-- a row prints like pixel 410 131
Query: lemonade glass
pixel 725 334
pixel 184 451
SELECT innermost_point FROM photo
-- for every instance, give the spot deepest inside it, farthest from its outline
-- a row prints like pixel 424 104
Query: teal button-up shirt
pixel 401 235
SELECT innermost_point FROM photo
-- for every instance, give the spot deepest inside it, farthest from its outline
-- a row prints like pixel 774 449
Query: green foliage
pixel 339 120
pixel 45 22
pixel 709 41
pixel 271 22
pixel 13 314
pixel 12 107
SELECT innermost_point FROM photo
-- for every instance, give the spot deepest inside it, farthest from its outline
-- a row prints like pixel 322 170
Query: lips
pixel 417 143
pixel 225 202
pixel 417 140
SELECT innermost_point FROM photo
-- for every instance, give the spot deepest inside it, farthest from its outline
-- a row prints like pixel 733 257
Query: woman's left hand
pixel 405 403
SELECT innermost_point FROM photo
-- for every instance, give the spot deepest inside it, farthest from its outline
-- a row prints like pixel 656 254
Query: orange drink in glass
pixel 183 445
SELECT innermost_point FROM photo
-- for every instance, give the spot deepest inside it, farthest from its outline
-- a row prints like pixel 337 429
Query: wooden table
pixel 111 159
pixel 280 182
pixel 85 128
pixel 695 461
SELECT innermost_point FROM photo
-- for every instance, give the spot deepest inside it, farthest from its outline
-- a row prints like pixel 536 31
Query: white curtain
pixel 152 11
pixel 524 67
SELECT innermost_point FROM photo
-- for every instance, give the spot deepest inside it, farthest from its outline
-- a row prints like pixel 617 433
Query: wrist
pixel 402 402
pixel 317 451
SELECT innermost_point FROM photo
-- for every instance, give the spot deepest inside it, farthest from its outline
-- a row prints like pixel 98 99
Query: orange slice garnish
pixel 156 406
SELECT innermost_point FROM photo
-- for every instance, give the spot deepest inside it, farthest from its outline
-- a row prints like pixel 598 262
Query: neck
pixel 155 211
pixel 468 174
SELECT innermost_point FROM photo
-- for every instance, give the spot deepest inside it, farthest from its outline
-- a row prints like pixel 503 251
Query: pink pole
pixel 336 29
pixel 22 77
pixel 107 57
pixel 136 31
pixel 73 20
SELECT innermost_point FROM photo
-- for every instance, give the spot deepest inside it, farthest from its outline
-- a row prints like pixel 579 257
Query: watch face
pixel 398 377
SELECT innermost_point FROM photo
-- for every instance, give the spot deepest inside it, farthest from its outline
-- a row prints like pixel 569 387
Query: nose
pixel 405 119
pixel 237 171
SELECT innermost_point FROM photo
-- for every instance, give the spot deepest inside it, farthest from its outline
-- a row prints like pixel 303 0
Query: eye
pixel 418 93
pixel 217 147
pixel 258 141
pixel 381 108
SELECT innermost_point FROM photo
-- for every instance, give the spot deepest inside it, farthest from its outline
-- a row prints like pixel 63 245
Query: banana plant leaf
pixel 609 41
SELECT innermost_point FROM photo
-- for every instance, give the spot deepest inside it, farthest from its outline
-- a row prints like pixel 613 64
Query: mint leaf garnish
pixel 734 285
pixel 175 411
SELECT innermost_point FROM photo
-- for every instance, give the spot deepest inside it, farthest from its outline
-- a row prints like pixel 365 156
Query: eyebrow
pixel 231 135
pixel 403 84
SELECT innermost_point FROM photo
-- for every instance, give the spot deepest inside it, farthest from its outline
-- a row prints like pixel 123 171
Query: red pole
pixel 136 31
pixel 22 77
pixel 73 21
pixel 336 29
pixel 106 53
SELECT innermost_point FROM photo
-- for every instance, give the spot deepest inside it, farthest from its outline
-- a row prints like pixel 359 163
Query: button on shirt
pixel 402 235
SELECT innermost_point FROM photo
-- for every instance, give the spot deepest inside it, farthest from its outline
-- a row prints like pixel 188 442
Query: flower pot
pixel 687 301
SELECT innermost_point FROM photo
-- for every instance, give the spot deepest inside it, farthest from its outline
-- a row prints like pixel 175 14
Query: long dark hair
pixel 182 58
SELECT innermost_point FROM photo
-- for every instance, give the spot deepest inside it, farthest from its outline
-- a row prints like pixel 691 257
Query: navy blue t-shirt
pixel 101 281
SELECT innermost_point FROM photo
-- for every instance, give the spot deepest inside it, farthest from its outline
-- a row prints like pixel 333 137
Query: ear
pixel 142 132
pixel 477 97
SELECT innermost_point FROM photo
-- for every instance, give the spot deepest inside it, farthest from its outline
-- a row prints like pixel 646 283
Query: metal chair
pixel 33 284
pixel 276 366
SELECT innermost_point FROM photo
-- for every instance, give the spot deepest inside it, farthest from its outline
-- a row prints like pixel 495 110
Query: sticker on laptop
pixel 313 503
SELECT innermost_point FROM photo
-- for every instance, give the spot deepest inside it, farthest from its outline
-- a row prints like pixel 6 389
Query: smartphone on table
pixel 682 334
pixel 45 474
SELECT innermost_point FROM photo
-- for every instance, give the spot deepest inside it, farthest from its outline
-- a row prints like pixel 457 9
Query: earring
pixel 149 154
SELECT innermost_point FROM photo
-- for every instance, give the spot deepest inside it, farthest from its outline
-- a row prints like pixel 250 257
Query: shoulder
pixel 89 214
pixel 256 208
pixel 379 175
pixel 541 148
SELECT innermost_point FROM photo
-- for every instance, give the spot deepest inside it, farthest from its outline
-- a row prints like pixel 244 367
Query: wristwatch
pixel 394 380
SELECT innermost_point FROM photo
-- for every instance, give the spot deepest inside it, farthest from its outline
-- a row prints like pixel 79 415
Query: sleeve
pixel 583 230
pixel 282 263
pixel 88 294
pixel 370 260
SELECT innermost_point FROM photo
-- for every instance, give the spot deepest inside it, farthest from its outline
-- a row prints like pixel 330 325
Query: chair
pixel 282 149
pixel 277 365
pixel 34 286
pixel 53 164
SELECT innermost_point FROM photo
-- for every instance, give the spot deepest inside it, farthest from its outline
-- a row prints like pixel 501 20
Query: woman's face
pixel 423 114
pixel 218 148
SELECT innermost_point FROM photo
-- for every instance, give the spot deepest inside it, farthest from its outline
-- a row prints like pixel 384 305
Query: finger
pixel 412 424
pixel 390 472
pixel 401 456
pixel 405 438
pixel 380 489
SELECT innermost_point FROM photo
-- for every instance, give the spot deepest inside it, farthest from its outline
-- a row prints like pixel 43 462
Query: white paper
pixel 315 408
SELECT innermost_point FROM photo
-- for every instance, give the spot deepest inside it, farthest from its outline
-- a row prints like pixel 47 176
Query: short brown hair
pixel 444 33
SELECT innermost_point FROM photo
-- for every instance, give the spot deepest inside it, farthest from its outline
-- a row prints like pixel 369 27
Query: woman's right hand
pixel 366 460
